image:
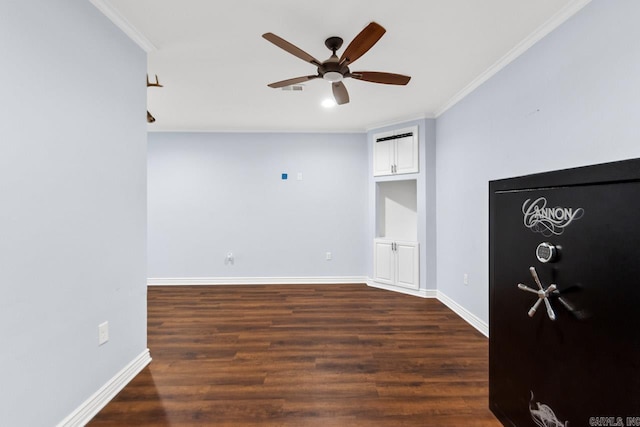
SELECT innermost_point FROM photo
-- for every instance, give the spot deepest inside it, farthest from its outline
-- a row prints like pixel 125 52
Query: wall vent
pixel 293 88
pixel 398 136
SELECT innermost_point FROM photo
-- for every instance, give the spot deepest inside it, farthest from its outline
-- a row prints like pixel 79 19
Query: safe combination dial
pixel 546 252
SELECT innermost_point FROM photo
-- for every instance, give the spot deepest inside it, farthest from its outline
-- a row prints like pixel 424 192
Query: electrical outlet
pixel 465 279
pixel 103 333
pixel 328 256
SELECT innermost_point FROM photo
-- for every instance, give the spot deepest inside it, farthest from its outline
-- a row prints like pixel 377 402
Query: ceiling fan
pixel 336 69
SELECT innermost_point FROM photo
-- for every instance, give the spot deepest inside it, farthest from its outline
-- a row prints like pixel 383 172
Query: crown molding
pixel 551 24
pixel 150 129
pixel 121 22
pixel 399 121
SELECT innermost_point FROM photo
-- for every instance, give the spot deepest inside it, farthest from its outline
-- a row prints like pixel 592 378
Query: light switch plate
pixel 103 333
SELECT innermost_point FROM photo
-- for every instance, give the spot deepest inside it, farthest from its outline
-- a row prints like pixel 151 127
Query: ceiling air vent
pixel 293 88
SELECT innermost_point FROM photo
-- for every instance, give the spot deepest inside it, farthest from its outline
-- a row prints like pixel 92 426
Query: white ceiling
pixel 215 66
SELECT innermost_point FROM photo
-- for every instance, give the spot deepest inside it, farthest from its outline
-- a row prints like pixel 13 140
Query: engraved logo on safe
pixel 548 220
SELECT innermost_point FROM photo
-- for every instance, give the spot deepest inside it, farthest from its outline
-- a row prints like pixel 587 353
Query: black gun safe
pixel 564 303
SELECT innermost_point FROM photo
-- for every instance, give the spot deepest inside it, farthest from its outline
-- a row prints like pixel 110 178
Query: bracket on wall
pixel 150 118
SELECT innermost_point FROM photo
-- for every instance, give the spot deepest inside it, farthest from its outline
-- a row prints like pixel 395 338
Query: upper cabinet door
pixel 383 155
pixel 396 152
pixel 406 154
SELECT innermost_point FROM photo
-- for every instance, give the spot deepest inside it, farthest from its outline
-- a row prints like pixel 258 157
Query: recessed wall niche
pixel 397 210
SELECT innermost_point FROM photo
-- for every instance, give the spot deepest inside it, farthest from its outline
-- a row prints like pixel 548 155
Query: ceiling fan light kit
pixel 332 76
pixel 335 69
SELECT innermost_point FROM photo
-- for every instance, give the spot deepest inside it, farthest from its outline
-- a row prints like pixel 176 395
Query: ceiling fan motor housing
pixel 331 70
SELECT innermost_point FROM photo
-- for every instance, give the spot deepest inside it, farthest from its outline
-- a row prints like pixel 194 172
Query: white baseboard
pixel 422 293
pixel 465 314
pixel 90 407
pixel 469 317
pixel 324 280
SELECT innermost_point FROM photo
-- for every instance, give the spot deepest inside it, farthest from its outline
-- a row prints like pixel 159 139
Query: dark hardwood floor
pixel 304 355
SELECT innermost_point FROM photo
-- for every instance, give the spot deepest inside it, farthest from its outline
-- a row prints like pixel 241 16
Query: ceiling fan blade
pixel 294 50
pixel 378 77
pixel 292 81
pixel 340 93
pixel 362 43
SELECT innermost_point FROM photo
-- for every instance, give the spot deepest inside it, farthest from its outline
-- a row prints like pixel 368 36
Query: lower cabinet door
pixel 407 265
pixel 396 263
pixel 383 262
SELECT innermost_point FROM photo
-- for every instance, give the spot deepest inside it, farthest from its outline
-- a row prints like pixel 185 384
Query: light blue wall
pixel 72 206
pixel 570 100
pixel 211 193
pixel 573 99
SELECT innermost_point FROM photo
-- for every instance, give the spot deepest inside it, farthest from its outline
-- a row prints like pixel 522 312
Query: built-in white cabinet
pixel 396 256
pixel 396 263
pixel 402 207
pixel 395 152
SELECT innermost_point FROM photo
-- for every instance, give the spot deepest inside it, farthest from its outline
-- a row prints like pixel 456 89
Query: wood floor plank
pixel 304 355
